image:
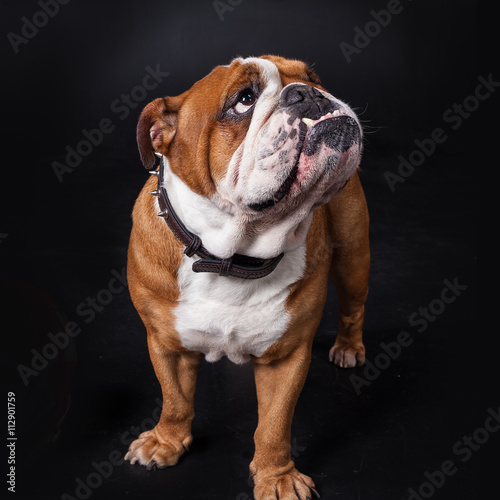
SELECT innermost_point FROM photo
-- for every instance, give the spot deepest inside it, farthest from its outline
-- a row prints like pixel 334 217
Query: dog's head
pixel 259 137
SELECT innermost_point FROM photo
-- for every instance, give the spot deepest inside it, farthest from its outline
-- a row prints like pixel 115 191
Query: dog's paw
pixel 347 355
pixel 291 486
pixel 156 451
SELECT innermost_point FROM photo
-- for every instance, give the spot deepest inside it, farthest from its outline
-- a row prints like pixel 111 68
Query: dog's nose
pixel 295 93
pixel 306 100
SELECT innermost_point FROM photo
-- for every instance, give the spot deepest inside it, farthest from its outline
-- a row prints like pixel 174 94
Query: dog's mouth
pixel 328 129
pixel 280 194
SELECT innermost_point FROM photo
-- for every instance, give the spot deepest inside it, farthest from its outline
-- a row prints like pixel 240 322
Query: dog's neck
pixel 225 232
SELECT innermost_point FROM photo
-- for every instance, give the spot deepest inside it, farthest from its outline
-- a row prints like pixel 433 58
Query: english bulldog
pixel 254 202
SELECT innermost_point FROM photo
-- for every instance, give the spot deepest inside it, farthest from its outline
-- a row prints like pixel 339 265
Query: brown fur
pixel 337 246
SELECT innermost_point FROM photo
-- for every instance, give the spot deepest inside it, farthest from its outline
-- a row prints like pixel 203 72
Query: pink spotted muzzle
pixel 312 143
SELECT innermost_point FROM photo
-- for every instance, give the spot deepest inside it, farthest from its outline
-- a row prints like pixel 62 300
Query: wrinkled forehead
pixel 274 67
pixel 254 72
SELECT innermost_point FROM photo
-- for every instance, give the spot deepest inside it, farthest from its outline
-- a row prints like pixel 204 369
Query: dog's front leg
pixel 176 372
pixel 278 387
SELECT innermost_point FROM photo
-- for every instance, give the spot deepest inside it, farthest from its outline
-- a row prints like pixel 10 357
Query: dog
pixel 254 201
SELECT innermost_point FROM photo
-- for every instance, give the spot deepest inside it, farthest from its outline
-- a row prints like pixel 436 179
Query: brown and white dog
pixel 260 164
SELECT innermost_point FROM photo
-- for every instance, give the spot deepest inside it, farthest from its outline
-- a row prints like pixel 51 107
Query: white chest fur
pixel 227 316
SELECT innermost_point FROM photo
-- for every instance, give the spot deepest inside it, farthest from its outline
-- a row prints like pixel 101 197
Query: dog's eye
pixel 246 100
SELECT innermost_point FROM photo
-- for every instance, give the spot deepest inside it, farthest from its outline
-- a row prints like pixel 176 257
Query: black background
pixel 61 242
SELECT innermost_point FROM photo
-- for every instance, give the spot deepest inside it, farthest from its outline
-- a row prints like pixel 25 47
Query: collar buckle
pixel 239 266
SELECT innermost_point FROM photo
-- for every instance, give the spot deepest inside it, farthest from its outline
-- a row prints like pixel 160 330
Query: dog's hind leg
pixel 349 271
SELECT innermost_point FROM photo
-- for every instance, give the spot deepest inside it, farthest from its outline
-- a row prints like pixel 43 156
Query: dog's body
pixel 256 159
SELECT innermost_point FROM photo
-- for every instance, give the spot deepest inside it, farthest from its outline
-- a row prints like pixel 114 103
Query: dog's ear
pixel 157 127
